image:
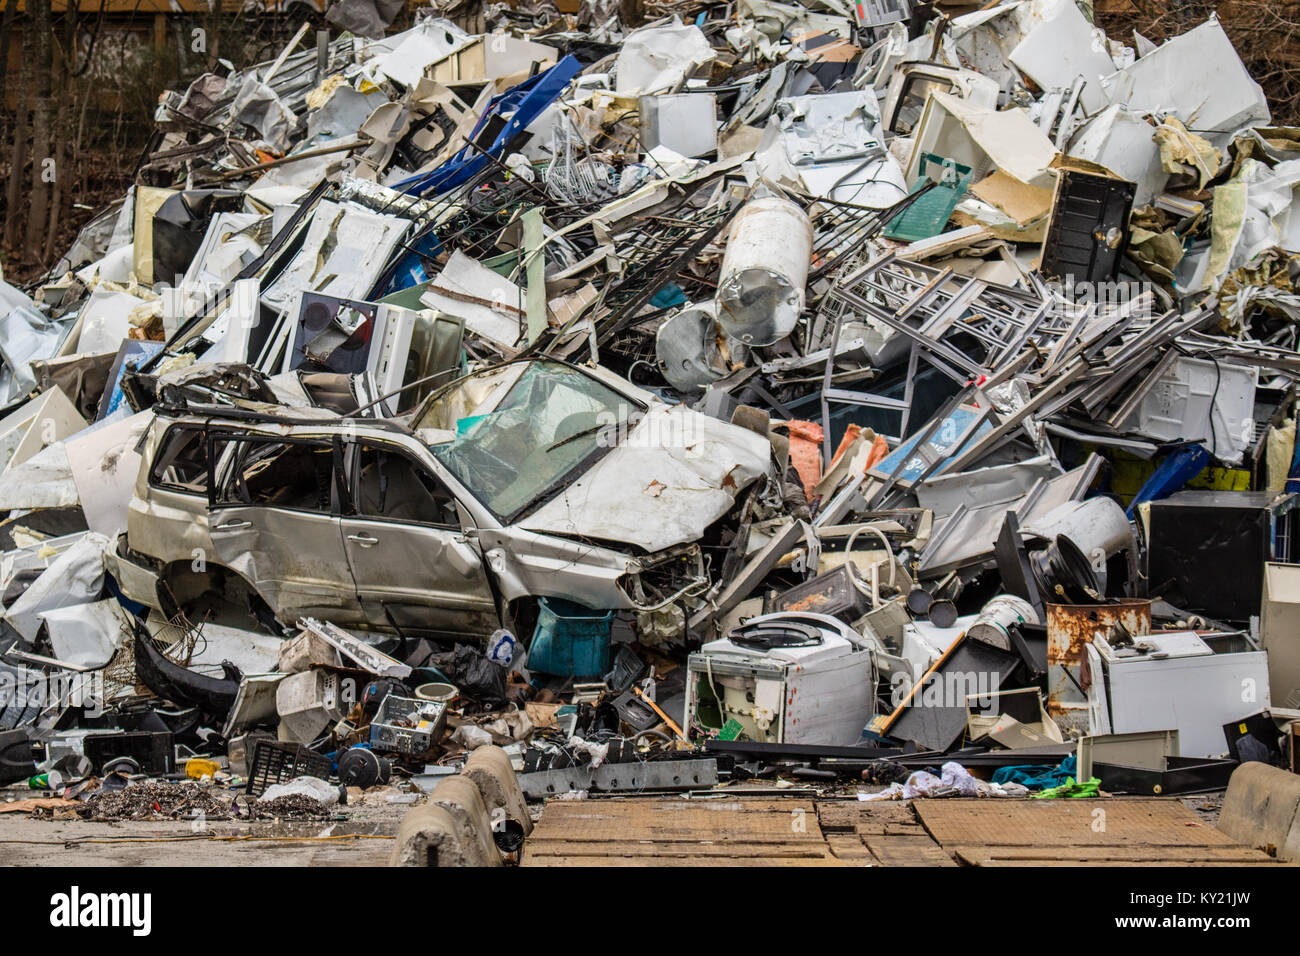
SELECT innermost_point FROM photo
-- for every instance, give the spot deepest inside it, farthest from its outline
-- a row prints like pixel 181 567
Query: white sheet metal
pixel 1061 47
pixel 1213 401
pixel 43 481
pixel 35 425
pixel 74 577
pixel 677 472
pixel 85 635
pixel 1199 77
pixel 491 305
pixel 105 320
pixel 1122 141
pixel 655 59
pixel 253 652
pixel 345 248
pixel 982 139
pixel 104 465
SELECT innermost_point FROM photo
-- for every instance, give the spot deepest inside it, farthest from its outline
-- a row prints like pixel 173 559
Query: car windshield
pixel 551 421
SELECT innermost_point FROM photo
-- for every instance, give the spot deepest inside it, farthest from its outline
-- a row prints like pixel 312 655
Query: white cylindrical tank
pixel 689 349
pixel 764 271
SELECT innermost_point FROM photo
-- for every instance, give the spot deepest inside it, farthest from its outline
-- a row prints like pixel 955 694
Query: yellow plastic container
pixel 196 768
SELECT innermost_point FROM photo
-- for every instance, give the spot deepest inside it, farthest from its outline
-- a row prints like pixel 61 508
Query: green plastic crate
pixel 928 215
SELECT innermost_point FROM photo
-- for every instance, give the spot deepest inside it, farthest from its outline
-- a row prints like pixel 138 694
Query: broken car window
pixel 391 485
pixel 551 420
pixel 295 475
pixel 182 462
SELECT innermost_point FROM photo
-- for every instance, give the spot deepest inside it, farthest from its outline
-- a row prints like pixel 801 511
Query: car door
pixel 412 562
pixel 274 518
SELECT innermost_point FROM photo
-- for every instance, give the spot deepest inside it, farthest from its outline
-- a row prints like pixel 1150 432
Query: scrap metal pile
pixel 829 389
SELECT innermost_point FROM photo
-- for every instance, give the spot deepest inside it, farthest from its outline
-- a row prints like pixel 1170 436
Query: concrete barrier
pixel 489 768
pixel 429 836
pixel 454 828
pixel 459 796
pixel 1262 809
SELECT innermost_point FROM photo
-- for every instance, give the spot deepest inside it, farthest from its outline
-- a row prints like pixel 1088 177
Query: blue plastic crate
pixel 570 640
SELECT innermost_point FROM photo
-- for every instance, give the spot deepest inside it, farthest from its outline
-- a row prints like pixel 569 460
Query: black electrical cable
pixel 1218 381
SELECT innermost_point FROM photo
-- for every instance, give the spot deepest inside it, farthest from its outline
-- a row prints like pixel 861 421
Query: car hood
pixel 673 475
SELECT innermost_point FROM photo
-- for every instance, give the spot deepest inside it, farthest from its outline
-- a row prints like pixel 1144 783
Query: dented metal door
pixel 412 562
pixel 273 517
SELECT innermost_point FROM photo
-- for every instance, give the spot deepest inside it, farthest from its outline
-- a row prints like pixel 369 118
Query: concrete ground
pixel 364 838
pixel 358 834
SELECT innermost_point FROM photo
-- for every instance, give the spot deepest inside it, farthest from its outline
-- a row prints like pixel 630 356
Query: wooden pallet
pixel 676 832
pixel 879 834
pixel 1140 832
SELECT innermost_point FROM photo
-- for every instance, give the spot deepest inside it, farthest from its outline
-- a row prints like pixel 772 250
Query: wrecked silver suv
pixel 533 478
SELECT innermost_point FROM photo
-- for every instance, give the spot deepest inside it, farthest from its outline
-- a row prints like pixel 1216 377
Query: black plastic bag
pixel 473 673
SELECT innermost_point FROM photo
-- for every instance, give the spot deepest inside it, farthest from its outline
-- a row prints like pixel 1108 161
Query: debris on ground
pixel 155 801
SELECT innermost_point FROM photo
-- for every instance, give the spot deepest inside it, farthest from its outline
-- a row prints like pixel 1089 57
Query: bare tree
pixel 41 109
pixel 6 33
pixel 17 156
pixel 67 108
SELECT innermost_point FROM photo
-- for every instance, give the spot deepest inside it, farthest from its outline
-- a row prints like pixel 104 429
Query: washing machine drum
pixel 772 635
